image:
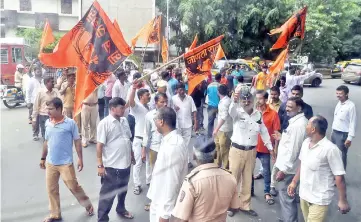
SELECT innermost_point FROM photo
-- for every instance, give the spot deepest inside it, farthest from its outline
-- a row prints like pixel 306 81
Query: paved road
pixel 23 189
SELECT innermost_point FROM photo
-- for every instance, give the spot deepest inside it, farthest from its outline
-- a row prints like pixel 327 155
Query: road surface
pixel 23 192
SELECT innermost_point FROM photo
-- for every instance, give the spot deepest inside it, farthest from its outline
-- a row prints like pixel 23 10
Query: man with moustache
pixel 288 151
pixel 247 125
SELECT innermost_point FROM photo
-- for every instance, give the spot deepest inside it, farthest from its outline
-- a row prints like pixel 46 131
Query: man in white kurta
pixel 170 168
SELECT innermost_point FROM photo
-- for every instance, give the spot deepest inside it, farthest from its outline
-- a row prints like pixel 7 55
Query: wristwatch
pixel 100 166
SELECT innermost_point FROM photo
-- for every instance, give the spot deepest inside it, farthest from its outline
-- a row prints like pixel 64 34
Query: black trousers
pixel 101 104
pixel 131 122
pixel 114 183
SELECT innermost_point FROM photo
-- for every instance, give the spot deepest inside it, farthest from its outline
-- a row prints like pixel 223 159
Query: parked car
pixel 248 72
pixel 336 71
pixel 352 73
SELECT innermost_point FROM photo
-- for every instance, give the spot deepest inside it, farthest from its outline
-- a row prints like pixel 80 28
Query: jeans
pixel 339 139
pixel 265 159
pixel 131 122
pixel 212 114
pixel 114 183
pixel 200 116
pixel 101 105
pixel 106 105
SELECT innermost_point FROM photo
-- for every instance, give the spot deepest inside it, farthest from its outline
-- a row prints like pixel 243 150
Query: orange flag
pixel 164 50
pixel 277 66
pixel 116 26
pixel 220 54
pixel 294 27
pixel 47 36
pixel 149 32
pixel 95 47
pixel 199 62
pixel 194 43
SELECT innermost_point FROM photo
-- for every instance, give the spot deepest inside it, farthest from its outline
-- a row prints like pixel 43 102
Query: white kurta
pixel 169 171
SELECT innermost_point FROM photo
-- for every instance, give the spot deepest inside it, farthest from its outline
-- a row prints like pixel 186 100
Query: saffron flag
pixel 47 36
pixel 277 66
pixel 194 43
pixel 95 47
pixel 220 54
pixel 199 62
pixel 294 27
pixel 149 32
pixel 164 50
pixel 116 26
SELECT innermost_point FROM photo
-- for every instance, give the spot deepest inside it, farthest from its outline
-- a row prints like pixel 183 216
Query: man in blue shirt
pixel 60 134
pixel 237 72
pixel 213 100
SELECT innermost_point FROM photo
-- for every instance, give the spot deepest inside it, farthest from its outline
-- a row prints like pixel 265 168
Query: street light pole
pixel 168 28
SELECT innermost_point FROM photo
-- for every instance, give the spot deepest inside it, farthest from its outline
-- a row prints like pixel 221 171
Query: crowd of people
pixel 138 127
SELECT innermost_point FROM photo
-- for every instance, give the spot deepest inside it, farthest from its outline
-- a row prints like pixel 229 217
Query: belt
pixel 90 104
pixel 240 147
pixel 139 137
pixel 339 131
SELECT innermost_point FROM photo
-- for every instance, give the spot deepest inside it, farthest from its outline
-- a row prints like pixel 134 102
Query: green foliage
pixel 246 24
pixel 34 37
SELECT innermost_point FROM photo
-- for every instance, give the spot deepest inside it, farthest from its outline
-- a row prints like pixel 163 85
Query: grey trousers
pixel 42 120
pixel 289 208
pixel 339 139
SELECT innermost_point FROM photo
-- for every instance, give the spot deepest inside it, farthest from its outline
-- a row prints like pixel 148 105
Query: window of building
pixel 25 5
pixel 16 53
pixel 66 6
pixel 2 4
pixel 4 56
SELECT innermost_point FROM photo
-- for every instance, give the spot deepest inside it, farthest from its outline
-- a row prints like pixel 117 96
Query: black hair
pixel 181 86
pixel 47 79
pixel 297 88
pixel 169 116
pixel 321 124
pixel 116 101
pixel 343 88
pixel 240 79
pixel 283 78
pixel 164 74
pixel 276 89
pixel 141 92
pixel 299 102
pixel 56 102
pixel 120 73
pixel 263 93
pixel 223 90
pixel 159 95
pixel 137 75
pixel 218 77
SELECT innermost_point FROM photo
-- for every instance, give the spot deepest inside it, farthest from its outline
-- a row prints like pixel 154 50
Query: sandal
pixel 147 207
pixel 270 200
pixel 126 215
pixel 51 219
pixel 90 210
pixel 137 190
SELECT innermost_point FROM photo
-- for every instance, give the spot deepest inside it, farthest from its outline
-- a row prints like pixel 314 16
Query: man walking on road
pixel 114 155
pixel 40 112
pixel 213 101
pixel 344 122
pixel 321 167
pixel 200 198
pixel 57 158
pixel 185 109
pixel 34 84
pixel 247 125
pixel 67 91
pixel 170 168
pixel 288 150
pixel 89 118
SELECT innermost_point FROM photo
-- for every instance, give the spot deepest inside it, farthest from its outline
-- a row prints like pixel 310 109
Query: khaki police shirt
pixel 206 194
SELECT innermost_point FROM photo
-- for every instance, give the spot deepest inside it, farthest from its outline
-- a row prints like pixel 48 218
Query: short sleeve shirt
pixel 139 111
pixel 60 137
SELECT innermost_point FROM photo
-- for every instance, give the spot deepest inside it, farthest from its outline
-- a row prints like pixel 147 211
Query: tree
pixel 351 42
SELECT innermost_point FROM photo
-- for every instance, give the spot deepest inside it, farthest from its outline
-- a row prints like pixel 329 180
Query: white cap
pixel 162 83
pixel 19 66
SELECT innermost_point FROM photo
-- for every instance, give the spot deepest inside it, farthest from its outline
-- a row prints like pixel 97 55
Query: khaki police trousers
pixel 241 164
pixel 313 212
pixel 223 143
pixel 89 117
pixel 67 174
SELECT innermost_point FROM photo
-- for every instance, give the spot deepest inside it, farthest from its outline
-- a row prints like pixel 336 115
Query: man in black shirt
pixel 296 91
pixel 198 96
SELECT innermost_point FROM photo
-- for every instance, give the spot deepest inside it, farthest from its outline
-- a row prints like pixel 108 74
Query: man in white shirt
pixel 344 122
pixel 223 131
pixel 121 86
pixel 34 84
pixel 185 108
pixel 288 150
pixel 114 157
pixel 297 78
pixel 321 167
pixel 161 88
pixel 170 168
pixel 247 125
pixel 152 138
pixel 139 110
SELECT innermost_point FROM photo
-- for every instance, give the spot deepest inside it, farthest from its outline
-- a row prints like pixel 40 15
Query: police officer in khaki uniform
pixel 207 191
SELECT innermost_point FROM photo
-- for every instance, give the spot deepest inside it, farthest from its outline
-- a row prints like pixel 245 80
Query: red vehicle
pixel 13 51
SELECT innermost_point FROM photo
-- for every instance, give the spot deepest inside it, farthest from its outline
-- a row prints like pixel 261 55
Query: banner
pixel 95 47
pixel 47 36
pixel 164 51
pixel 294 27
pixel 199 62
pixel 149 32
